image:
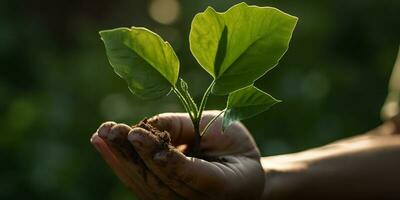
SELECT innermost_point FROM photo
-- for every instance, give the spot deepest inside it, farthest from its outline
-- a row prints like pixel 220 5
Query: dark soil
pixel 164 140
pixel 163 137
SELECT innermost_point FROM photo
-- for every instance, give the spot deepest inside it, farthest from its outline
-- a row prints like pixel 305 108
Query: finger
pixel 125 153
pixel 116 139
pixel 179 125
pixel 105 128
pixel 188 176
pixel 168 179
pixel 115 165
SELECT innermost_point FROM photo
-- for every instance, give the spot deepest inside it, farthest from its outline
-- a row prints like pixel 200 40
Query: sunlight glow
pixel 164 11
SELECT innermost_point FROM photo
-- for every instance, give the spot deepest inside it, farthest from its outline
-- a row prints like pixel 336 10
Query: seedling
pixel 235 47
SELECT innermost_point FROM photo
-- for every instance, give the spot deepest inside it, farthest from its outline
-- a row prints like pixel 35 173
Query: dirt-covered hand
pixel 230 167
pixel 111 142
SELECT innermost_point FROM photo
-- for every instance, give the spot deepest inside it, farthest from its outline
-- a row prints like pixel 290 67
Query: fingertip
pixel 97 142
pixel 105 128
pixel 136 133
pixel 135 136
pixel 95 138
pixel 118 131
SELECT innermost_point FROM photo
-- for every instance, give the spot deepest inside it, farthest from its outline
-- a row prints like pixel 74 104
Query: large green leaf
pixel 141 57
pixel 240 45
pixel 245 103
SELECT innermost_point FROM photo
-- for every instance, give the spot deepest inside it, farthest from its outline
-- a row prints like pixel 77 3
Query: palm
pixel 230 169
pixel 237 155
pixel 234 141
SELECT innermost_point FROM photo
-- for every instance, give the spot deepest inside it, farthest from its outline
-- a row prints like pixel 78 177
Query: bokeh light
pixel 164 11
pixel 57 87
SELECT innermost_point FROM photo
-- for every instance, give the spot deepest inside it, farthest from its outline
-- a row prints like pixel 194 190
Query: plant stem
pixel 191 104
pixel 195 150
pixel 211 122
pixel 204 100
pixel 195 115
pixel 184 103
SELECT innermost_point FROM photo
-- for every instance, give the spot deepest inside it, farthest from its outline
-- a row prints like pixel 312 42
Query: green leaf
pixel 219 58
pixel 245 103
pixel 147 63
pixel 240 45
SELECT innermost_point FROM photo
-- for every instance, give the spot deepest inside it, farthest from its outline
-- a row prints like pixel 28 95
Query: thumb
pixel 178 125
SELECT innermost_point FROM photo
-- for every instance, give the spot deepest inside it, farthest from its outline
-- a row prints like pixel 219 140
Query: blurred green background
pixel 56 85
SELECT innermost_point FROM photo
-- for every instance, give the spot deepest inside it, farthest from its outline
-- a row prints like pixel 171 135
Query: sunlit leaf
pixel 245 103
pixel 143 59
pixel 240 45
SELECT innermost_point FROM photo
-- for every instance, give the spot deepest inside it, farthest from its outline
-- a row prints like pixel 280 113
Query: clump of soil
pixel 126 149
pixel 163 137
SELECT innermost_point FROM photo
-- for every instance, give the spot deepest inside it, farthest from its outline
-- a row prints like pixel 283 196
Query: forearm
pixel 362 167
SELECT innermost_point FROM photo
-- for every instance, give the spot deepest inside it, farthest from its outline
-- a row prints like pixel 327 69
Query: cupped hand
pixel 230 168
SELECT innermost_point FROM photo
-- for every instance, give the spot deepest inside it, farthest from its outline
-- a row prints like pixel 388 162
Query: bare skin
pixel 362 167
pixel 233 171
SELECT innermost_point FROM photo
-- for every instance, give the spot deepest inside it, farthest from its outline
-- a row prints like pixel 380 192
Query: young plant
pixel 235 47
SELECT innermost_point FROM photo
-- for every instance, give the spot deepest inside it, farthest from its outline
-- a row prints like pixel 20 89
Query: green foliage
pixel 143 59
pixel 245 103
pixel 235 47
pixel 59 86
pixel 240 45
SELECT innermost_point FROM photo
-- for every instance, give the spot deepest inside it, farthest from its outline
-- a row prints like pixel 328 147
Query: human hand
pixel 230 168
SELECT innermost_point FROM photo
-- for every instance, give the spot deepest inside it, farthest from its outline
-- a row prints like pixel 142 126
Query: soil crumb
pixel 163 137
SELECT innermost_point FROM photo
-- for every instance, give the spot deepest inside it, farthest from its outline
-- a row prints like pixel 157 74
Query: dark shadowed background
pixel 56 85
